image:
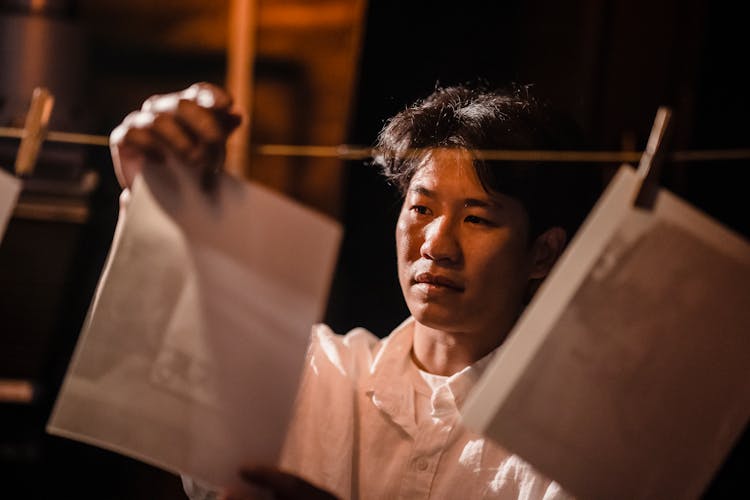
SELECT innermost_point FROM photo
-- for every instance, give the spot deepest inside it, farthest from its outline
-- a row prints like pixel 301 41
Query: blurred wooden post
pixel 241 49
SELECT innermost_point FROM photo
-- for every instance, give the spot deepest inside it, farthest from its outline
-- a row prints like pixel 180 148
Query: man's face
pixel 463 258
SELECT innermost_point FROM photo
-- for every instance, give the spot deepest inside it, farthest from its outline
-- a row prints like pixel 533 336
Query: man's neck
pixel 445 353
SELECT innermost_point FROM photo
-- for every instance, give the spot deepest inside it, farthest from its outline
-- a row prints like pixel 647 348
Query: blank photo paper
pixel 627 375
pixel 191 353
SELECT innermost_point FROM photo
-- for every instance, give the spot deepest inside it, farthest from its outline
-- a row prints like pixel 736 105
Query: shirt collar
pixel 391 388
pixel 461 383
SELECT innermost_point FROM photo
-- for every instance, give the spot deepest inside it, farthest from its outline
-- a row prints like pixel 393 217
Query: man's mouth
pixel 437 280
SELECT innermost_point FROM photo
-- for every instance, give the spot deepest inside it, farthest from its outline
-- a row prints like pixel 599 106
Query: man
pixel 379 418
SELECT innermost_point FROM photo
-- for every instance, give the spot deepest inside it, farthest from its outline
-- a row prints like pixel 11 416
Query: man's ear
pixel 544 252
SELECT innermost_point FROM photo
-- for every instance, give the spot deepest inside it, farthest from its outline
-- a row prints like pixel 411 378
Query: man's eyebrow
pixel 468 202
pixel 474 202
pixel 482 203
pixel 419 189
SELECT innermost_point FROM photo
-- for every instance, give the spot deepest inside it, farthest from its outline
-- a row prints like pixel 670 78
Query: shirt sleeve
pixel 318 445
pixel 333 364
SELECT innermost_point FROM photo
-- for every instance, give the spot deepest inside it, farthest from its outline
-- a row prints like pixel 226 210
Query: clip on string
pixel 649 167
pixel 34 131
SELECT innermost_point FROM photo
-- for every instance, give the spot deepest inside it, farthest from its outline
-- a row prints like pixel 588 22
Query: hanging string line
pixel 349 152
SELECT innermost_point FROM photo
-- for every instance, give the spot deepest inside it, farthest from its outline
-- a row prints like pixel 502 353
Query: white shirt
pixel 367 425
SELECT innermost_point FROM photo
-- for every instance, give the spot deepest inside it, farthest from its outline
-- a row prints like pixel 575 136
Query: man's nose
pixel 441 242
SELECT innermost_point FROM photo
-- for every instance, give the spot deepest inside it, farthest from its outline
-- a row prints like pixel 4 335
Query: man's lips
pixel 437 280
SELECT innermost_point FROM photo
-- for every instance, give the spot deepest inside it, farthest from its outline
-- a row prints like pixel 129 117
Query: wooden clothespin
pixel 649 167
pixel 34 130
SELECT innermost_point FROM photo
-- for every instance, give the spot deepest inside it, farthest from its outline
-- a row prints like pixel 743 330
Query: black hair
pixel 474 118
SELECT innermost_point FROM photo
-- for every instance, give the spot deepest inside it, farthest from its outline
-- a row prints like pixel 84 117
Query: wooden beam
pixel 241 49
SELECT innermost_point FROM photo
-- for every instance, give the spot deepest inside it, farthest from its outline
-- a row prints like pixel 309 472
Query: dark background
pixel 610 64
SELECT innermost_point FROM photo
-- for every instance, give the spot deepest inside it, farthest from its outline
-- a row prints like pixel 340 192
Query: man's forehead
pixel 444 165
pixel 455 169
pixel 445 156
pixel 451 170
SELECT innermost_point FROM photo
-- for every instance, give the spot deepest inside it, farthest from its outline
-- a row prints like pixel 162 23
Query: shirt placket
pixel 430 442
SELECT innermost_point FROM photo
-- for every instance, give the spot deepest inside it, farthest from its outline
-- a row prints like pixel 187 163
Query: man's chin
pixel 437 318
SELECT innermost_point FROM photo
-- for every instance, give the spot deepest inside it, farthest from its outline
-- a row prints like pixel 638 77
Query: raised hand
pixel 187 129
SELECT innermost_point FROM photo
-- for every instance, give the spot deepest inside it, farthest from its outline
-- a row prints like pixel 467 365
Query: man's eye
pixel 420 209
pixel 473 219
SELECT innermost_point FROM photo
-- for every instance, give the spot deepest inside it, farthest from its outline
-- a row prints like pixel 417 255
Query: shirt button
pixel 422 465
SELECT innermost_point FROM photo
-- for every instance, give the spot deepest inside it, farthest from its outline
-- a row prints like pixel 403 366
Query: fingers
pixel 203 125
pixel 284 486
pixel 132 146
pixel 208 96
pixel 169 132
pixel 190 126
pixel 204 94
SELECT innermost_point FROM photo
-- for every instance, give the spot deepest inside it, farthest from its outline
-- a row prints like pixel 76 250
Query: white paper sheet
pixel 627 376
pixel 194 343
pixel 10 186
